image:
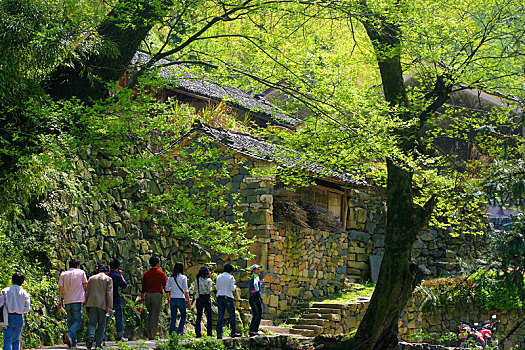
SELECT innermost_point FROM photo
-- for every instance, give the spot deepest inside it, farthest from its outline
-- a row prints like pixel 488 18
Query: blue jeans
pixel 177 304
pixel 226 303
pixel 13 331
pixel 74 318
pixel 118 312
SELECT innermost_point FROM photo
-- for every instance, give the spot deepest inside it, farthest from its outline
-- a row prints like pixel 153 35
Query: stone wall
pixel 437 252
pixel 443 320
pixel 344 318
pixel 300 263
pixel 96 230
pixel 304 263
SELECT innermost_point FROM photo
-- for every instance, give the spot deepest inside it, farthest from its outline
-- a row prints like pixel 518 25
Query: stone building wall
pixel 304 264
pixel 300 263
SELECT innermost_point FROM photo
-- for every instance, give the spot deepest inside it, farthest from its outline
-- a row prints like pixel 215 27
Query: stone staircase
pixel 317 318
pixel 267 326
pixel 328 318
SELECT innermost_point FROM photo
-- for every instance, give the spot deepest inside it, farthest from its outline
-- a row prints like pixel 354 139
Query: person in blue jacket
pixel 255 289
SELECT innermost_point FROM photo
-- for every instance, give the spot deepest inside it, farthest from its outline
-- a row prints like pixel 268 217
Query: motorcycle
pixel 478 335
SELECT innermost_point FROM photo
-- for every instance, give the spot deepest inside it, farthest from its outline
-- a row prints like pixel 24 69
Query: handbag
pixel 3 312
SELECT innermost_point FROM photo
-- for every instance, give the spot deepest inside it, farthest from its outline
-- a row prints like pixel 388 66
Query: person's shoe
pixel 67 340
pixel 89 342
pixel 122 339
pixel 235 335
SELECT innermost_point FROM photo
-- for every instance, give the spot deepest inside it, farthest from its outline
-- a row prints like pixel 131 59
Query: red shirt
pixel 154 281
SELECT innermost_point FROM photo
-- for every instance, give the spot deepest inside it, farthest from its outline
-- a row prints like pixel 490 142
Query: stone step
pixel 324 311
pixel 314 321
pixel 320 305
pixel 304 332
pixel 331 317
pixel 276 329
pixel 311 327
pixel 268 323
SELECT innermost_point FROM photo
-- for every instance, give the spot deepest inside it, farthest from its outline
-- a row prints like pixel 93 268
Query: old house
pixel 201 92
pixel 313 240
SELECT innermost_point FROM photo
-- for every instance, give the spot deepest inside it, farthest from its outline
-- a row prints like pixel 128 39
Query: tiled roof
pixel 202 86
pixel 257 148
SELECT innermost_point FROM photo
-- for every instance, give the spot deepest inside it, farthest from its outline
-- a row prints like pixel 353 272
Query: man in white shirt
pixel 72 285
pixel 225 286
pixel 18 303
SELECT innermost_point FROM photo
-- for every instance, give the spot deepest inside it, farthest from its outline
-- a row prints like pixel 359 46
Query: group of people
pixel 101 298
pixel 100 294
pixel 155 284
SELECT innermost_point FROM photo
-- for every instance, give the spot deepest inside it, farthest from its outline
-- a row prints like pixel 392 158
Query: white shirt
pixel 172 286
pixel 225 285
pixel 16 299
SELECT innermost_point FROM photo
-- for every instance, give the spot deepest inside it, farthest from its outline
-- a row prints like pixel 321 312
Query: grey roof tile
pixel 202 86
pixel 261 149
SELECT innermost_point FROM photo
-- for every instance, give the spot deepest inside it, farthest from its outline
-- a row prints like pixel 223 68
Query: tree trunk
pixel 398 276
pixel 124 29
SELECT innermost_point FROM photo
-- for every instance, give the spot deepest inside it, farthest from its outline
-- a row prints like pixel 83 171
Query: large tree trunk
pixel 124 29
pixel 398 276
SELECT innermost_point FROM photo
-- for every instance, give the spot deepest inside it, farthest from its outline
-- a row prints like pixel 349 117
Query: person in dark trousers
pixel 99 303
pixel 17 302
pixel 153 284
pixel 179 297
pixel 255 290
pixel 203 285
pixel 118 310
pixel 225 286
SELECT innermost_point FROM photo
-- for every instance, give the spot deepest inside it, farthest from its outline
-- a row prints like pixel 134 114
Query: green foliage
pixel 483 289
pixel 352 295
pixel 177 342
pixel 446 339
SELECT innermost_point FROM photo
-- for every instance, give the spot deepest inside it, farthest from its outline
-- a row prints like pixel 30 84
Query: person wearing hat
pixel 255 287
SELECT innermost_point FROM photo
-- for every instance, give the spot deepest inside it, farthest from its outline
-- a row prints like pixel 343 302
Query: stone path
pixel 139 344
pixel 266 326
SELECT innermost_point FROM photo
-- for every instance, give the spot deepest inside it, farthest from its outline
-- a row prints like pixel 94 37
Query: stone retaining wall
pixel 443 320
pixel 300 263
pixel 413 322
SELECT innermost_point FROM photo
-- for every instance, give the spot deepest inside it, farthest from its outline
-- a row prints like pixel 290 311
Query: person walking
pixel 153 284
pixel 225 286
pixel 254 288
pixel 99 304
pixel 179 297
pixel 17 302
pixel 71 287
pixel 203 295
pixel 118 310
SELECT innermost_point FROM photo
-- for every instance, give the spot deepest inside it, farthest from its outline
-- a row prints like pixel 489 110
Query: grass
pixel 350 296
